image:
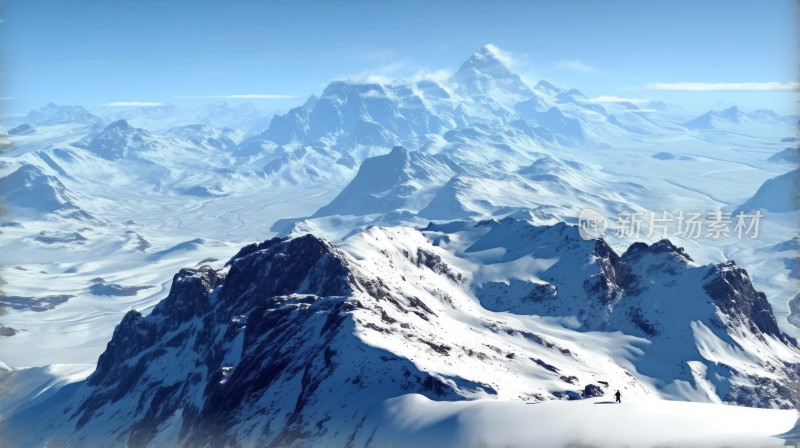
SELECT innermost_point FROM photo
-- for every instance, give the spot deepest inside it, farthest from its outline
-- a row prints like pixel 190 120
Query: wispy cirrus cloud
pixel 380 77
pixel 616 99
pixel 242 96
pixel 382 74
pixel 134 104
pixel 504 56
pixel 575 65
pixel 723 86
pixel 428 75
pixel 6 98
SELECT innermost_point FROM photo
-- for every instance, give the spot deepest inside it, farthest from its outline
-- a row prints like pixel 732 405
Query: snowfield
pixel 420 279
pixel 418 421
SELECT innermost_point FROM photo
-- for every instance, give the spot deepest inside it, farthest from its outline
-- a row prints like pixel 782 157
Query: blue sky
pixel 186 52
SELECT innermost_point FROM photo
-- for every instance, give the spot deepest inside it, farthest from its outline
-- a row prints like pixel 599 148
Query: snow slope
pixel 417 421
pixel 265 349
pixel 103 208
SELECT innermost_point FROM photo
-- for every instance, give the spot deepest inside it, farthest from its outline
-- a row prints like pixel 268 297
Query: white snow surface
pixel 414 420
pixel 129 204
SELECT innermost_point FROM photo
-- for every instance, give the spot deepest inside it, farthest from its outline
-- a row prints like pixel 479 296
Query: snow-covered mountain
pixel 117 140
pixel 426 259
pixel 30 191
pixel 786 155
pixel 732 116
pixel 394 182
pixel 206 136
pixel 158 118
pixel 352 114
pixel 779 194
pixel 52 114
pixel 491 87
pixel 267 348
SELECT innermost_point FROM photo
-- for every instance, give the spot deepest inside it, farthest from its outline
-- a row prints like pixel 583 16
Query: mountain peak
pixel 399 151
pixel 548 87
pixel 488 51
pixel 52 114
pixel 714 118
pixel 119 124
pixel 486 73
pixel 487 58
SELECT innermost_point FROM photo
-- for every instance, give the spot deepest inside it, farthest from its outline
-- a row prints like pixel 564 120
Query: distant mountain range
pixel 425 246
pixel 298 342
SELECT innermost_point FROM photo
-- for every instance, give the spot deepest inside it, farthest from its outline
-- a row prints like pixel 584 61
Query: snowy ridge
pixel 779 195
pixel 290 326
pixel 443 281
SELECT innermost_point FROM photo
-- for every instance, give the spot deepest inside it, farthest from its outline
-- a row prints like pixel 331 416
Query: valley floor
pixel 596 422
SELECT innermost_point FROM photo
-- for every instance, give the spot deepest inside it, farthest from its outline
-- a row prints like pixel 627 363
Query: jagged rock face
pixel 234 335
pixel 296 342
pixel 485 73
pixel 54 115
pixel 255 346
pixel 373 113
pixel 655 292
pixel 733 293
pixel 203 135
pixel 30 188
pixel 116 140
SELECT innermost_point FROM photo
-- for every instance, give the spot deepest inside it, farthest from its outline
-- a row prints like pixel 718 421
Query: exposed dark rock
pixel 592 390
pixel 101 288
pixel 286 304
pixel 567 395
pixel 732 292
pixel 38 304
pixel 23 129
pixel 57 237
pixel 7 331
pixel 545 365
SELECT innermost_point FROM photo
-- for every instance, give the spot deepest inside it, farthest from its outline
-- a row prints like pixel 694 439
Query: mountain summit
pixel 487 60
pixel 485 74
pixel 297 342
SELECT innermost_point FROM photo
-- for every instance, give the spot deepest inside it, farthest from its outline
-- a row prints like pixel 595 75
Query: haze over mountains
pixel 425 244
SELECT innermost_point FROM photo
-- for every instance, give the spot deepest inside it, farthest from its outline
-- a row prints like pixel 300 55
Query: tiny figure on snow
pixel 618 396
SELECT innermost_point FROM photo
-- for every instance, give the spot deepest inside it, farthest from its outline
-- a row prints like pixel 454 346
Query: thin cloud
pixel 505 57
pixel 723 86
pixel 134 104
pixel 244 96
pixel 383 74
pixel 437 76
pixel 616 99
pixel 6 98
pixel 365 77
pixel 575 65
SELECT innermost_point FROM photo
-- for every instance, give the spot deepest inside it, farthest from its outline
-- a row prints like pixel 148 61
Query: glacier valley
pixel 398 263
